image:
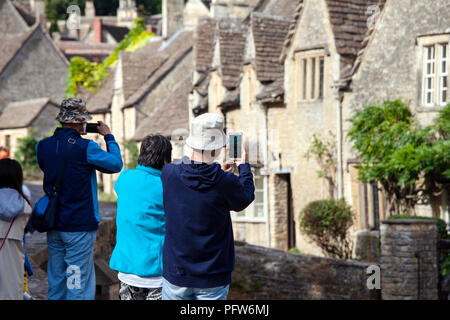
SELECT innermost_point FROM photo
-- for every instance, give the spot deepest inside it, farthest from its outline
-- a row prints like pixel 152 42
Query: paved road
pixel 38 241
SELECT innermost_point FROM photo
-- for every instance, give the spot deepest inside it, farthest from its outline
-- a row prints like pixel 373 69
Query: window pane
pixel 428 79
pixel 321 70
pixel 304 78
pixel 443 74
pixel 259 197
pixel 259 211
pixel 313 77
pixel 259 183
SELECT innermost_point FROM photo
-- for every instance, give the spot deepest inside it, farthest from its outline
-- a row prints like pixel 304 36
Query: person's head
pixel 73 114
pixel 206 155
pixel 207 137
pixel 156 151
pixel 11 175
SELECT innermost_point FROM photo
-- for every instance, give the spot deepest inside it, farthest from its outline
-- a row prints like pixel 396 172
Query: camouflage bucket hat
pixel 73 110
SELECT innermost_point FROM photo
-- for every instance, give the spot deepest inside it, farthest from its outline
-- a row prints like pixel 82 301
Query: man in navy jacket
pixel 70 268
pixel 198 195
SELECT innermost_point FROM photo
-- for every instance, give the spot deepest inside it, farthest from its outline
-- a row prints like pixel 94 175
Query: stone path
pixel 37 241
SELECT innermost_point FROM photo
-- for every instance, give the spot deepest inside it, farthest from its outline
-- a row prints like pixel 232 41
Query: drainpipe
pixel 267 177
pixel 337 94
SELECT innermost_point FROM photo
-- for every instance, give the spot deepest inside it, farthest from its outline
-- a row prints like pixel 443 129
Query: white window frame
pixel 250 211
pixel 436 74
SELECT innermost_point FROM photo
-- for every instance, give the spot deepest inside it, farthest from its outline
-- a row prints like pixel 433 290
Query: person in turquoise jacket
pixel 140 221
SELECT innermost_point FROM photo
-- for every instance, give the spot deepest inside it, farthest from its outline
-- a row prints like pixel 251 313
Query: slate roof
pixel 22 113
pixel 10 46
pixel 168 56
pixel 272 92
pixel 269 33
pixel 282 8
pixel 24 9
pixel 11 22
pixel 231 100
pixel 204 43
pixel 170 115
pixel 118 33
pixel 232 36
pixel 140 65
pixel 101 101
pixel 347 74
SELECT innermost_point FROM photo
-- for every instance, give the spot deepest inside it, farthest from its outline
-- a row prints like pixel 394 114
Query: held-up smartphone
pixel 235 146
pixel 92 128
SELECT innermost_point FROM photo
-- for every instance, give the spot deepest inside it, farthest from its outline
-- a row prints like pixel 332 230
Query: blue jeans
pixel 70 269
pixel 173 292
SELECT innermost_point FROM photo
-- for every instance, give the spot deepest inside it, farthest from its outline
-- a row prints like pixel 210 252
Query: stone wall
pixel 262 273
pixel 409 260
pixel 278 211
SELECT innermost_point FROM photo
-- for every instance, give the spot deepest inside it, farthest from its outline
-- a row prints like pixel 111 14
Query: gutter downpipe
pixel 338 96
pixel 267 176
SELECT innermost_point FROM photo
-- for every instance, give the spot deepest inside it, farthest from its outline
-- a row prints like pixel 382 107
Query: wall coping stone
pixel 408 221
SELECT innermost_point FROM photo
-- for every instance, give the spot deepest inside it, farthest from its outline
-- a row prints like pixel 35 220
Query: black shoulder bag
pixel 45 212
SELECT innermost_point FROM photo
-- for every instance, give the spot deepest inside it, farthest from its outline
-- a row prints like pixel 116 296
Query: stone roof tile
pixel 204 44
pixel 22 113
pixel 170 115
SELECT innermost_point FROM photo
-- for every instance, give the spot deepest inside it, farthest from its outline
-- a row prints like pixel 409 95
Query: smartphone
pixel 235 146
pixel 92 128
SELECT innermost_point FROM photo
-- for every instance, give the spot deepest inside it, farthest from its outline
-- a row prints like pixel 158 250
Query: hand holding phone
pixel 235 146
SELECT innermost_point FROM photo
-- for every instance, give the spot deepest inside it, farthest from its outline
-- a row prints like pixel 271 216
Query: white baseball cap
pixel 207 133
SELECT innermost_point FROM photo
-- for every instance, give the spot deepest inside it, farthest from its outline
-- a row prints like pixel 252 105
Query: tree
pixel 411 162
pixel 26 153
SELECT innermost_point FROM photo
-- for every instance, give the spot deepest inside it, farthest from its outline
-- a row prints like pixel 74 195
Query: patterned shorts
pixel 128 292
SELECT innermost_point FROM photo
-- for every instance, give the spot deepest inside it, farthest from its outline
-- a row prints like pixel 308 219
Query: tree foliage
pixel 90 75
pixel 327 223
pixel 26 153
pixel 411 162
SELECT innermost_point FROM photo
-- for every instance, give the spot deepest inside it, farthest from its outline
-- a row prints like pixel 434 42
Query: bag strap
pixel 6 235
pixel 62 167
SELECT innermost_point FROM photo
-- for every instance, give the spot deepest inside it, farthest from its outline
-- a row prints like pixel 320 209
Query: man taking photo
pixel 71 243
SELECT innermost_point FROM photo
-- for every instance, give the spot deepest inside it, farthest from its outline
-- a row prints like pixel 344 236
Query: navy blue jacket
pixel 78 209
pixel 199 245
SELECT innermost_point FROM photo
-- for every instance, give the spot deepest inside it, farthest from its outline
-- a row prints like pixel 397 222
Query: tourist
pixel 70 270
pixel 198 197
pixel 15 208
pixel 141 223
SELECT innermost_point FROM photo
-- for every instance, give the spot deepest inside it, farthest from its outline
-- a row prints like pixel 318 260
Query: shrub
pixel 327 223
pixel 26 154
pixel 132 154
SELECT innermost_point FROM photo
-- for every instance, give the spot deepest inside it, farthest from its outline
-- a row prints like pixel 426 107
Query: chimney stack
pixel 89 10
pixel 38 7
pixel 98 30
pixel 172 17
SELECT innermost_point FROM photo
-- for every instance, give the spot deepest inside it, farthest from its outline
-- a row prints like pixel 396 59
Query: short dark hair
pixel 156 150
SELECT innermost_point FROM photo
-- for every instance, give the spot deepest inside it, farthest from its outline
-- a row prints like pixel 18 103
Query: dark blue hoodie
pixel 199 245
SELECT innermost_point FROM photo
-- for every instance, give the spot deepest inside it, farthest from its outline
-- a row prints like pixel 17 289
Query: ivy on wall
pixel 90 75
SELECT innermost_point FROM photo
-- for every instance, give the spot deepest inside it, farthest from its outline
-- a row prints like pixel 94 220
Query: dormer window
pixel 310 70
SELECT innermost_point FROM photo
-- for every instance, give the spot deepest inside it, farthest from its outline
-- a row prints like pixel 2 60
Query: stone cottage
pixel 31 67
pixel 17 117
pixel 405 56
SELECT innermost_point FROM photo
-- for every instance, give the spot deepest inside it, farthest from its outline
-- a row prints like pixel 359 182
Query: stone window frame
pixel 424 41
pixel 248 214
pixel 311 91
pixel 363 200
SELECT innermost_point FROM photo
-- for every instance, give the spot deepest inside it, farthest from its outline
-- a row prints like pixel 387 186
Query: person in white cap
pixel 198 195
